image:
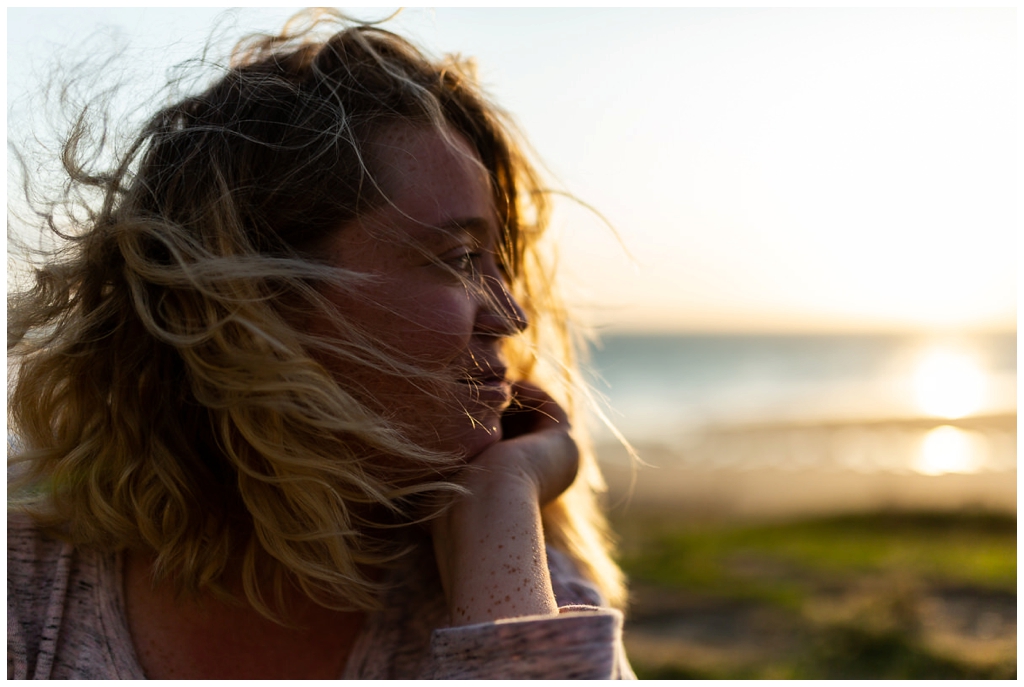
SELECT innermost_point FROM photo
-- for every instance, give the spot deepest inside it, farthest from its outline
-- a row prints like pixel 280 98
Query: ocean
pixel 865 403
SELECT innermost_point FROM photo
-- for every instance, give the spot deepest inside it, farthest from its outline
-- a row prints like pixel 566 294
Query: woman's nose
pixel 500 314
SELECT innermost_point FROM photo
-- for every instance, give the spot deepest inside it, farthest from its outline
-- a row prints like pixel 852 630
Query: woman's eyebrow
pixel 477 228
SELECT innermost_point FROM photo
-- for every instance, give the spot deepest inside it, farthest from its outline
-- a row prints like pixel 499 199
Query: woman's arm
pixel 490 544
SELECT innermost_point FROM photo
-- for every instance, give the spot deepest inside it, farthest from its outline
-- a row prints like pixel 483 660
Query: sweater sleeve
pixel 579 643
pixel 584 641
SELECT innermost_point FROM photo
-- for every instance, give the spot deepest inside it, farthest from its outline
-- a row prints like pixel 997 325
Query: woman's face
pixel 440 219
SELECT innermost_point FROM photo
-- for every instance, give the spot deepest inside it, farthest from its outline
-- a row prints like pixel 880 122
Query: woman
pixel 285 398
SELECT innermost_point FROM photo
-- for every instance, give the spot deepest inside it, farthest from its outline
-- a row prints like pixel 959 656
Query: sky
pixel 754 170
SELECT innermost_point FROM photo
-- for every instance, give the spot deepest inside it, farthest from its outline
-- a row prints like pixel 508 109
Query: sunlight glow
pixel 949 384
pixel 736 168
pixel 947 449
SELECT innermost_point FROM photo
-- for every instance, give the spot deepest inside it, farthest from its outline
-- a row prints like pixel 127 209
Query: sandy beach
pixel 795 470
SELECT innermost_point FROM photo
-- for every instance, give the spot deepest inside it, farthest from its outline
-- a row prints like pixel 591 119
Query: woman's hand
pixel 490 544
pixel 535 444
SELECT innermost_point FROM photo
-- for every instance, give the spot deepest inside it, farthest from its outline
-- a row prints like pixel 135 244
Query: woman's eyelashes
pixel 466 262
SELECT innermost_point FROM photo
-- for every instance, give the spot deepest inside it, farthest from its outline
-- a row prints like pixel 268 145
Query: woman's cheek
pixel 434 328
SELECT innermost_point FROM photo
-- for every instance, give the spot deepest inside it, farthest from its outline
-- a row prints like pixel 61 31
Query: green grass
pixel 971 549
pixel 883 565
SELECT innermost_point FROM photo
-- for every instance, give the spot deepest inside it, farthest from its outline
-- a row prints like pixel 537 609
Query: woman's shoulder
pixel 33 560
pixel 55 592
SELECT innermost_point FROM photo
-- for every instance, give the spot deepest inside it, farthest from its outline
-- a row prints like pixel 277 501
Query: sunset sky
pixel 766 170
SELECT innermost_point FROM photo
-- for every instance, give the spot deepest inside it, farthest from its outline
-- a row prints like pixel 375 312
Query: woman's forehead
pixel 433 183
pixel 408 158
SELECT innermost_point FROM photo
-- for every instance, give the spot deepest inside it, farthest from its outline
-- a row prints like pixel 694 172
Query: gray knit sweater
pixel 65 619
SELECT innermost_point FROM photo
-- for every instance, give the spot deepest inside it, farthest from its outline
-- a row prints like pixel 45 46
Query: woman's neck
pixel 209 638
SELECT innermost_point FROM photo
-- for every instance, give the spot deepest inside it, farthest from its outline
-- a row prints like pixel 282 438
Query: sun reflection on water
pixel 948 449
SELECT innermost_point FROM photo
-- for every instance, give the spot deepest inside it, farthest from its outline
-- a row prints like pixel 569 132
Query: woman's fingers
pixel 531 397
pixel 532 410
pixel 555 465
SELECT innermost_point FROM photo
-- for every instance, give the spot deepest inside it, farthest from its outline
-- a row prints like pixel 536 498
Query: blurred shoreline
pixel 748 494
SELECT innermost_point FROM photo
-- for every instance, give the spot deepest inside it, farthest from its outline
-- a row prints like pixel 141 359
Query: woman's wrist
pixel 490 553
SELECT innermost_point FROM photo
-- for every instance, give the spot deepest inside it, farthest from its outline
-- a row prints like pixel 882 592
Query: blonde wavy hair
pixel 164 400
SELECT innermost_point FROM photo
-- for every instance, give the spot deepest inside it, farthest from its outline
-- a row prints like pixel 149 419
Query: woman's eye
pixel 465 263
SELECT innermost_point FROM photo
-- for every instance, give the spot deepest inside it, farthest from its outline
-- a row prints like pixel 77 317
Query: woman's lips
pixel 482 373
pixel 491 387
